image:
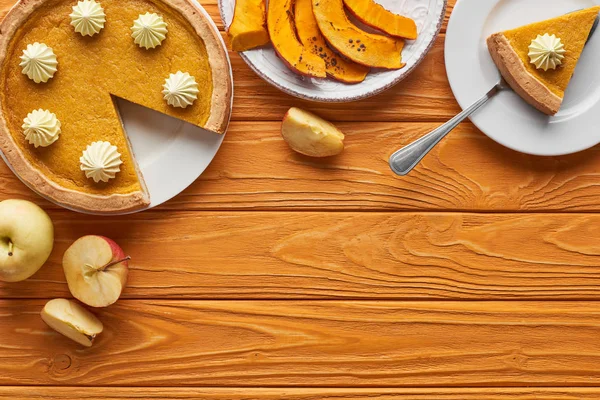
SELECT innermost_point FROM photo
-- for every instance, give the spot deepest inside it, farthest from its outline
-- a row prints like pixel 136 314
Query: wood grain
pixel 340 255
pixel 199 393
pixel 424 96
pixel 256 170
pixel 211 6
pixel 195 248
pixel 465 172
pixel 293 343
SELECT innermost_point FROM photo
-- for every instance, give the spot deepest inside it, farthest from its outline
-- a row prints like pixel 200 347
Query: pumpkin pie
pixel 92 69
pixel 543 89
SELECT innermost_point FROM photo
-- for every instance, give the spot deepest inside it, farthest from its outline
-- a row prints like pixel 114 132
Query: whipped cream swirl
pixel 149 30
pixel 41 128
pixel 39 62
pixel 101 161
pixel 546 52
pixel 180 89
pixel 88 17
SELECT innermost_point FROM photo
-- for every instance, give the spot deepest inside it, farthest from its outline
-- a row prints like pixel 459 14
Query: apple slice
pixel 376 16
pixel 72 320
pixel 310 135
pixel 96 270
pixel 26 239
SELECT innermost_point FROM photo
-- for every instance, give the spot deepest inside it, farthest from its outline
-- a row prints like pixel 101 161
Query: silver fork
pixel 405 159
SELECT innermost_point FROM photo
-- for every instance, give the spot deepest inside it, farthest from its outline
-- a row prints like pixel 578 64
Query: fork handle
pixel 404 160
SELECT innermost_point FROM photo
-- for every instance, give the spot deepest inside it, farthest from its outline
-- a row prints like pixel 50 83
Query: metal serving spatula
pixel 404 160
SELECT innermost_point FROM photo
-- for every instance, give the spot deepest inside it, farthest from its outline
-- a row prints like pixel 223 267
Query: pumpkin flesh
pixel 364 48
pixel 248 29
pixel 376 16
pixel 283 36
pixel 310 36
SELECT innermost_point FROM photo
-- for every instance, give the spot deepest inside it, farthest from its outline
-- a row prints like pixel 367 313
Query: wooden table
pixel 280 276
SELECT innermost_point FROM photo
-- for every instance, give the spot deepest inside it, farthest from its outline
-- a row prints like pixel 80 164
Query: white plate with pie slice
pixel 171 153
pixel 429 16
pixel 507 119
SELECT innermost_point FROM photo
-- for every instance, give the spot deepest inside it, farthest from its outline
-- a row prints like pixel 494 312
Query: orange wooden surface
pixel 280 276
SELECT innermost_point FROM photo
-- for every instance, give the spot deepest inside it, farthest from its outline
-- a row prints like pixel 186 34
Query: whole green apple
pixel 26 239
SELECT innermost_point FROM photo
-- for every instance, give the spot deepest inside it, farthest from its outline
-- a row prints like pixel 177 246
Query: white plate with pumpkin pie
pixel 545 53
pixel 111 106
pixel 332 50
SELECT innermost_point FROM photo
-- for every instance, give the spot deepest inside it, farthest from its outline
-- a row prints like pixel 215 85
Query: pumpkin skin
pixel 249 26
pixel 364 48
pixel 280 22
pixel 310 36
pixel 376 16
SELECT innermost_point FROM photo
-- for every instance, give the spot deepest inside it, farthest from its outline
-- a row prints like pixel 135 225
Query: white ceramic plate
pixel 507 119
pixel 171 153
pixel 429 16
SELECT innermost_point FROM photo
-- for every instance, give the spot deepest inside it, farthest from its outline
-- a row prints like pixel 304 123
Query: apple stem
pixel 10 248
pixel 115 263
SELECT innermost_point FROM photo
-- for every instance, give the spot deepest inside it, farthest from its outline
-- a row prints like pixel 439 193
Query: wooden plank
pixel 339 255
pixel 424 96
pixel 200 393
pixel 213 10
pixel 465 172
pixel 255 170
pixel 294 343
pixel 449 9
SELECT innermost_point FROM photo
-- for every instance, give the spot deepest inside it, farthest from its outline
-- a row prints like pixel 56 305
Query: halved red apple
pixel 376 16
pixel 283 36
pixel 368 49
pixel 310 36
pixel 96 269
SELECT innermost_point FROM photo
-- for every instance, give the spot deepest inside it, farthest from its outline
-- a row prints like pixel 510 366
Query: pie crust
pixel 532 90
pixel 217 121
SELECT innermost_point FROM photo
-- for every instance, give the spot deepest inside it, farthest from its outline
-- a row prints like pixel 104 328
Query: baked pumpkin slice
pixel 541 74
pixel 310 36
pixel 248 28
pixel 364 48
pixel 376 16
pixel 91 70
pixel 282 29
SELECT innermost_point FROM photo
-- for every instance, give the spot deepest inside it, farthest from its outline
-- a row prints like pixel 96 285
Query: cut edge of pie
pixel 532 90
pixel 218 120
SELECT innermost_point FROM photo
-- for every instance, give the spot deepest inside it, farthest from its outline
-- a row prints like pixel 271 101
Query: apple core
pixel 9 245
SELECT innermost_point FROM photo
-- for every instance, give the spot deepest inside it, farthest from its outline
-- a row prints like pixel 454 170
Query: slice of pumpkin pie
pixel 538 60
pixel 61 64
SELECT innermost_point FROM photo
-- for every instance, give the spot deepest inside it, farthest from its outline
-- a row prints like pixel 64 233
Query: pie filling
pixel 91 69
pixel 573 30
